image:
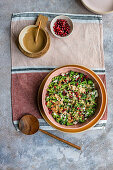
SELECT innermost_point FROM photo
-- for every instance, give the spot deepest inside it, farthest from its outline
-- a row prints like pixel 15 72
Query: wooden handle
pixel 37 32
pixel 43 20
pixel 60 139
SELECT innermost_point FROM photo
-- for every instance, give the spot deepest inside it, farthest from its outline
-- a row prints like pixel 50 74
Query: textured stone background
pixel 40 152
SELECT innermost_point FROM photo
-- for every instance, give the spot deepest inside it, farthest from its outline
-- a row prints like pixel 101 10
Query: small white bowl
pixel 69 21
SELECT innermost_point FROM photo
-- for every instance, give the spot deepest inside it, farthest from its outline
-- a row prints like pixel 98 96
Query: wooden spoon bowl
pixel 29 124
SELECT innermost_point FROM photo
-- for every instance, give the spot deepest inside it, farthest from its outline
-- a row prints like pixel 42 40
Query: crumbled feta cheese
pixel 55 81
pixel 62 74
pixel 75 123
pixel 77 76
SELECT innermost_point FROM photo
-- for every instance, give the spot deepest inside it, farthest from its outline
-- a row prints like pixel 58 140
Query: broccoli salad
pixel 71 98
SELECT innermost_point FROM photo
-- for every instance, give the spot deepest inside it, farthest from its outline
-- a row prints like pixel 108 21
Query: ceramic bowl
pixel 101 106
pixel 99 6
pixel 29 53
pixel 65 18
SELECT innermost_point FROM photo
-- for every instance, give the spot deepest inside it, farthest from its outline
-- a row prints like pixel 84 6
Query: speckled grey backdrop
pixel 40 152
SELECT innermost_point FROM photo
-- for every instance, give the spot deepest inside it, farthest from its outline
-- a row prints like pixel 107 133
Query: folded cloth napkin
pixel 84 47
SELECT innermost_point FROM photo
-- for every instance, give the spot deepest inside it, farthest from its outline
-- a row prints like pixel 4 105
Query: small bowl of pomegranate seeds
pixel 61 26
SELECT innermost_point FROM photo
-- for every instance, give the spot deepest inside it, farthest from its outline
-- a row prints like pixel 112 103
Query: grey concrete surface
pixel 40 152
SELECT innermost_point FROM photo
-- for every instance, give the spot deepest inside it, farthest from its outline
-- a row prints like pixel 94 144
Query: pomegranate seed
pixel 70 96
pixel 64 93
pixel 61 27
pixel 50 112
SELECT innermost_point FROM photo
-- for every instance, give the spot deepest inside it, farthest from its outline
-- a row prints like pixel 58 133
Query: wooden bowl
pixel 102 99
pixel 43 50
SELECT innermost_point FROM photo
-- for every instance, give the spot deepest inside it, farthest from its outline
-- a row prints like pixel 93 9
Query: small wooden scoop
pixel 36 38
pixel 29 125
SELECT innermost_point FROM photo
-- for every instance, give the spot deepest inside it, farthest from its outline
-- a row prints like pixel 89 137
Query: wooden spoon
pixel 36 38
pixel 29 125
